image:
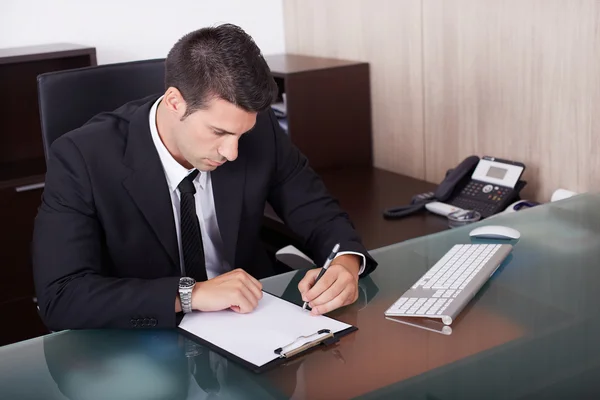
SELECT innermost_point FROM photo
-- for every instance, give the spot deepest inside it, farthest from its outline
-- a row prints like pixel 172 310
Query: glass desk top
pixel 531 332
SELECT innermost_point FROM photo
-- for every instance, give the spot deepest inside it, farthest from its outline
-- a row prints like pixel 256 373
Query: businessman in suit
pixel 155 208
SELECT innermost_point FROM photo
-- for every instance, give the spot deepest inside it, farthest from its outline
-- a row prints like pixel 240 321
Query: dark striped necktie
pixel 191 237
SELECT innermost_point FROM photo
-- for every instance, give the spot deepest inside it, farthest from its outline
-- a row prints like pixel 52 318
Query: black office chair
pixel 68 99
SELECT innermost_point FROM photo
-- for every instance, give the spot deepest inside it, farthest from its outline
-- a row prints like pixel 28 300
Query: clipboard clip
pixel 313 340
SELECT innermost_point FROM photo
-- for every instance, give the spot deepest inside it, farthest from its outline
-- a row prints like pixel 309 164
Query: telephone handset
pixel 453 178
pixel 486 185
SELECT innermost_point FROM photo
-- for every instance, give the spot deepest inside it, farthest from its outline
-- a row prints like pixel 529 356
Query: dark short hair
pixel 224 62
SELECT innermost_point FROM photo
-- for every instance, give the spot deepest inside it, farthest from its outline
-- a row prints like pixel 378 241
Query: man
pixel 155 208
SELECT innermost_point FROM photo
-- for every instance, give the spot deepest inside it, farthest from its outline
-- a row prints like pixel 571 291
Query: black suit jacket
pixel 105 250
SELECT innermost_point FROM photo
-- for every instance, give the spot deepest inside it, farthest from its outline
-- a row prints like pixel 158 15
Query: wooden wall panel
pixel 387 34
pixel 514 79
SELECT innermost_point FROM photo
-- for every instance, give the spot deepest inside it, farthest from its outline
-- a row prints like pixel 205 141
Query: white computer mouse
pixel 495 232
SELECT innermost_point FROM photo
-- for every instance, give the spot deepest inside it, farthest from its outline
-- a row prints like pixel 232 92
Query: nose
pixel 229 149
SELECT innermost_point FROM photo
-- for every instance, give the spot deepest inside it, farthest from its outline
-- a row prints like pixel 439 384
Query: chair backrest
pixel 69 98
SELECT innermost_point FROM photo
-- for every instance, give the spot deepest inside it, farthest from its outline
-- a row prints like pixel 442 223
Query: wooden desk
pixel 364 192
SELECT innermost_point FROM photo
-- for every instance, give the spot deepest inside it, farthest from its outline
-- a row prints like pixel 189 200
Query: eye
pixel 219 133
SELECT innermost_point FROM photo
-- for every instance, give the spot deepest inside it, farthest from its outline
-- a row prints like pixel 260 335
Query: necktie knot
pixel 187 184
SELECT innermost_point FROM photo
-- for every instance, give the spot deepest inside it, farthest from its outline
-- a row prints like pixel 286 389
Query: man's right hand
pixel 235 289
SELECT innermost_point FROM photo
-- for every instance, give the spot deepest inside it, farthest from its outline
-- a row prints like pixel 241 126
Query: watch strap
pixel 185 297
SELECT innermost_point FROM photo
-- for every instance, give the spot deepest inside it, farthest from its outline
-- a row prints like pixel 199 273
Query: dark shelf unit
pixel 328 104
pixel 22 169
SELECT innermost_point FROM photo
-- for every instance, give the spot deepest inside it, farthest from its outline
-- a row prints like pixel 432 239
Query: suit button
pixel 133 322
pixel 153 322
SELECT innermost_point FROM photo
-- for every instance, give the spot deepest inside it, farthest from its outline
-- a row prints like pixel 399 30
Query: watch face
pixel 186 282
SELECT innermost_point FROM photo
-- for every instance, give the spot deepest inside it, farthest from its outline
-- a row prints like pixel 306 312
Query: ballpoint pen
pixel 327 264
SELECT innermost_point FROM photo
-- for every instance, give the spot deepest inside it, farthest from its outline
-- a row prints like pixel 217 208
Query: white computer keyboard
pixel 458 266
pixel 446 283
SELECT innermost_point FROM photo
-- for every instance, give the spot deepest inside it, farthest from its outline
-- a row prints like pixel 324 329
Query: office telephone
pixel 486 185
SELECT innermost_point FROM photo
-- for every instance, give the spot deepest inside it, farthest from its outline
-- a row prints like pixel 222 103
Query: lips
pixel 215 163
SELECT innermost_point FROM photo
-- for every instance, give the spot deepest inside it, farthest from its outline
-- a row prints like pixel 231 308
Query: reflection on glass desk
pixel 530 333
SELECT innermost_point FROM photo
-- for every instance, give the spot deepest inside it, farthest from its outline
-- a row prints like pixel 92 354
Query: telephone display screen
pixel 495 172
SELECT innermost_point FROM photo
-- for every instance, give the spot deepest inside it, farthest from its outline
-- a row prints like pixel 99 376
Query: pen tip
pixel 336 247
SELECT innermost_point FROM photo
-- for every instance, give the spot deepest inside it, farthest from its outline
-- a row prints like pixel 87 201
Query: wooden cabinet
pixel 22 168
pixel 328 107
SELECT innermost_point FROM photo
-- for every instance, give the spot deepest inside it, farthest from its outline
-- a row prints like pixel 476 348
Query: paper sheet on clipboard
pixel 255 336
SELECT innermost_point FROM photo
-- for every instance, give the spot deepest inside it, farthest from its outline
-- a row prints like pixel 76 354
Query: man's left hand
pixel 336 288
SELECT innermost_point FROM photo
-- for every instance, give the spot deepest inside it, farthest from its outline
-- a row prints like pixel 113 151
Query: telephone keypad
pixel 481 197
pixel 474 188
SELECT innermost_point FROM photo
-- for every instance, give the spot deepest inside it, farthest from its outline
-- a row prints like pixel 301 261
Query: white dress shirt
pixel 205 206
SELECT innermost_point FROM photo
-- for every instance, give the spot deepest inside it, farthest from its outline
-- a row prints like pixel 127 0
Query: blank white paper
pixel 254 336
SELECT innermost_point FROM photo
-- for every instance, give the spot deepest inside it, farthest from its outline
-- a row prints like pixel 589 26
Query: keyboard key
pixel 400 302
pixel 440 302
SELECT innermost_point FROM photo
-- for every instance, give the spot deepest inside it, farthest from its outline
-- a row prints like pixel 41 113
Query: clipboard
pixel 279 351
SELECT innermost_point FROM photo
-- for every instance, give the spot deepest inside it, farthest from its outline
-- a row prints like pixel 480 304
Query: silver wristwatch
pixel 186 285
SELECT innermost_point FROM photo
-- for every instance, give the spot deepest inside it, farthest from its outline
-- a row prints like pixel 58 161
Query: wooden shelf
pixel 328 105
pixel 282 65
pixel 46 52
pixel 21 172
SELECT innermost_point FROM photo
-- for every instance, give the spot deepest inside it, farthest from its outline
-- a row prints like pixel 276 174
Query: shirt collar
pixel 174 171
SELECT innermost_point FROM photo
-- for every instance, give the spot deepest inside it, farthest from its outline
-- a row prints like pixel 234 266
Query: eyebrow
pixel 219 130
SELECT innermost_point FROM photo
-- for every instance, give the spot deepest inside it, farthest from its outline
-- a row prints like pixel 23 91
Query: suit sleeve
pixel 72 287
pixel 300 198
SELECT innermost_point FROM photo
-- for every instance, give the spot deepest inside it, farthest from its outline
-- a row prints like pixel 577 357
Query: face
pixel 207 138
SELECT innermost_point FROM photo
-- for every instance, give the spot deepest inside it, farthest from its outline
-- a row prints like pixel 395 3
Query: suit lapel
pixel 228 191
pixel 147 184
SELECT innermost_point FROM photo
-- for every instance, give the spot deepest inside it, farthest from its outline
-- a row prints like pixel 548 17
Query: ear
pixel 174 102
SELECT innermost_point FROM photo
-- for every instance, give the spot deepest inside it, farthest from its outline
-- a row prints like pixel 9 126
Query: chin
pixel 205 167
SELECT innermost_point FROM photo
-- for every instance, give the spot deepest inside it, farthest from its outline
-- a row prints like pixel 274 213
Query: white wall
pixel 125 30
